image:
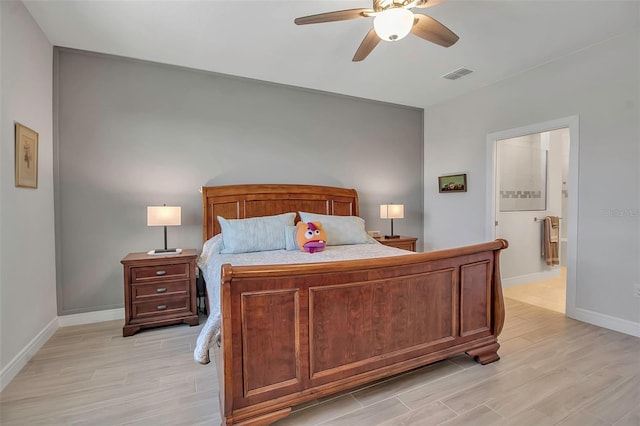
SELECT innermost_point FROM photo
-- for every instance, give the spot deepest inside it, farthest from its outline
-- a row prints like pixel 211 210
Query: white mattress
pixel 211 260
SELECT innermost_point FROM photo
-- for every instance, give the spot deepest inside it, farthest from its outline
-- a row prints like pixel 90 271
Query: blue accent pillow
pixel 340 230
pixel 255 234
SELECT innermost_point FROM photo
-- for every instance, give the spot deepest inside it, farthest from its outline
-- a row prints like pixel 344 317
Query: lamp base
pixel 391 236
pixel 159 252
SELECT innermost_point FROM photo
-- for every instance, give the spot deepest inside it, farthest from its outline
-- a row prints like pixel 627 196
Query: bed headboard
pixel 243 201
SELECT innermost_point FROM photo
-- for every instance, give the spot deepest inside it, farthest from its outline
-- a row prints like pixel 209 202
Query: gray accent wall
pixel 132 134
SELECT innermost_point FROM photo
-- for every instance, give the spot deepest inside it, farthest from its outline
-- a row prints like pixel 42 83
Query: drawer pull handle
pixel 161 307
pixel 161 272
pixel 161 290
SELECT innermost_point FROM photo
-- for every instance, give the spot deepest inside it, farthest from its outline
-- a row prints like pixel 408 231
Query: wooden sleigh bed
pixel 293 333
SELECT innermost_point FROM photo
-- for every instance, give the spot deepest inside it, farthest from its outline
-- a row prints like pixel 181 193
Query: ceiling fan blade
pixel 428 3
pixel 431 30
pixel 369 42
pixel 340 15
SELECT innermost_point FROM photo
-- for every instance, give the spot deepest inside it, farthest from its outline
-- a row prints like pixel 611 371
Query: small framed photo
pixel 453 183
pixel 26 157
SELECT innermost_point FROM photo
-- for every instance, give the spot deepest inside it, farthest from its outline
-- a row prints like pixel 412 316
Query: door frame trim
pixel 572 122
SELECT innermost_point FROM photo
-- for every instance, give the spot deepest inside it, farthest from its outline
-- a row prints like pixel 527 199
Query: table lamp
pixel 164 216
pixel 392 211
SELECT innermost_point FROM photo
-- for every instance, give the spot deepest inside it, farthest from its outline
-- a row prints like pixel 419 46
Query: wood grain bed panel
pixel 292 333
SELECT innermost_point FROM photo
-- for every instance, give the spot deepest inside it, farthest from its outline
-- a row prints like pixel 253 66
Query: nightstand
pixel 159 290
pixel 406 243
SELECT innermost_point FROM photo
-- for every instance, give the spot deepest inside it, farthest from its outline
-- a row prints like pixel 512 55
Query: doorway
pixel 533 175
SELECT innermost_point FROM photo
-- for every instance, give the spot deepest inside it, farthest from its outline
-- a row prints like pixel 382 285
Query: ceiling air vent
pixel 456 74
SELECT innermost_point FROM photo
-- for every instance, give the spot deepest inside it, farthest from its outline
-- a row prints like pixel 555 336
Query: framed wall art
pixel 453 183
pixel 26 157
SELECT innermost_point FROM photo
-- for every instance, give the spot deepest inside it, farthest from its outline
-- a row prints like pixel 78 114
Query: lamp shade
pixel 393 24
pixel 164 215
pixel 391 211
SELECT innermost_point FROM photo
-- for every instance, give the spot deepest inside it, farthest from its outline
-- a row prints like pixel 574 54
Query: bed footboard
pixel 292 333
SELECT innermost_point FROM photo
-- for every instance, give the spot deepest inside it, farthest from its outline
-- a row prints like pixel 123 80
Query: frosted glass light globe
pixel 393 24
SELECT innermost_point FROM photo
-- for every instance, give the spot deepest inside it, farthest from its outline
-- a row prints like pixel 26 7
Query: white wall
pixel 27 249
pixel 601 85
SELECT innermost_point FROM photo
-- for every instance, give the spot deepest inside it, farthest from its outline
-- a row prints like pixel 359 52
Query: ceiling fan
pixel 392 21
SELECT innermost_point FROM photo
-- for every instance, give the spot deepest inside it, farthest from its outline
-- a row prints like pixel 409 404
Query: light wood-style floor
pixel 549 294
pixel 553 371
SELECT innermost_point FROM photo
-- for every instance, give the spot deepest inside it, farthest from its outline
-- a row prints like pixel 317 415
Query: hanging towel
pixel 550 239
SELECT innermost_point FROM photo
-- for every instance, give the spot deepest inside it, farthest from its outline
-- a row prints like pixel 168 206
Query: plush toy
pixel 310 236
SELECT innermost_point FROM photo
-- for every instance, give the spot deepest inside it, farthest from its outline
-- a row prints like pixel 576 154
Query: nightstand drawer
pixel 159 289
pixel 178 271
pixel 161 306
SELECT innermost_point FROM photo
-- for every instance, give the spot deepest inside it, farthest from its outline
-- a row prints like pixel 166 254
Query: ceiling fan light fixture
pixel 393 24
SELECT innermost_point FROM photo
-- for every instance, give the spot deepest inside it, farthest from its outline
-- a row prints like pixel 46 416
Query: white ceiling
pixel 258 39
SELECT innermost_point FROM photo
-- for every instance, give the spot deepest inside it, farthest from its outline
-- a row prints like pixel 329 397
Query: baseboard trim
pixel 607 321
pixel 529 278
pixel 91 317
pixel 18 362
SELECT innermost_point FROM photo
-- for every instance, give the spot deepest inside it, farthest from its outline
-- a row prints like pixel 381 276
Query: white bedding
pixel 211 260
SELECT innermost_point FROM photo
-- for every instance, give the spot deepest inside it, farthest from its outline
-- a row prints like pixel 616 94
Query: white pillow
pixel 255 234
pixel 341 230
pixel 212 246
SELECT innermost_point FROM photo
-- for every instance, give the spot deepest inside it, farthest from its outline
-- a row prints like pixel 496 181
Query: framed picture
pixel 453 183
pixel 26 157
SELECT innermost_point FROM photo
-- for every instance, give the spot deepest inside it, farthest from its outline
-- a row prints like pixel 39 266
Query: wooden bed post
pixel 225 370
pixel 498 298
pixel 488 354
